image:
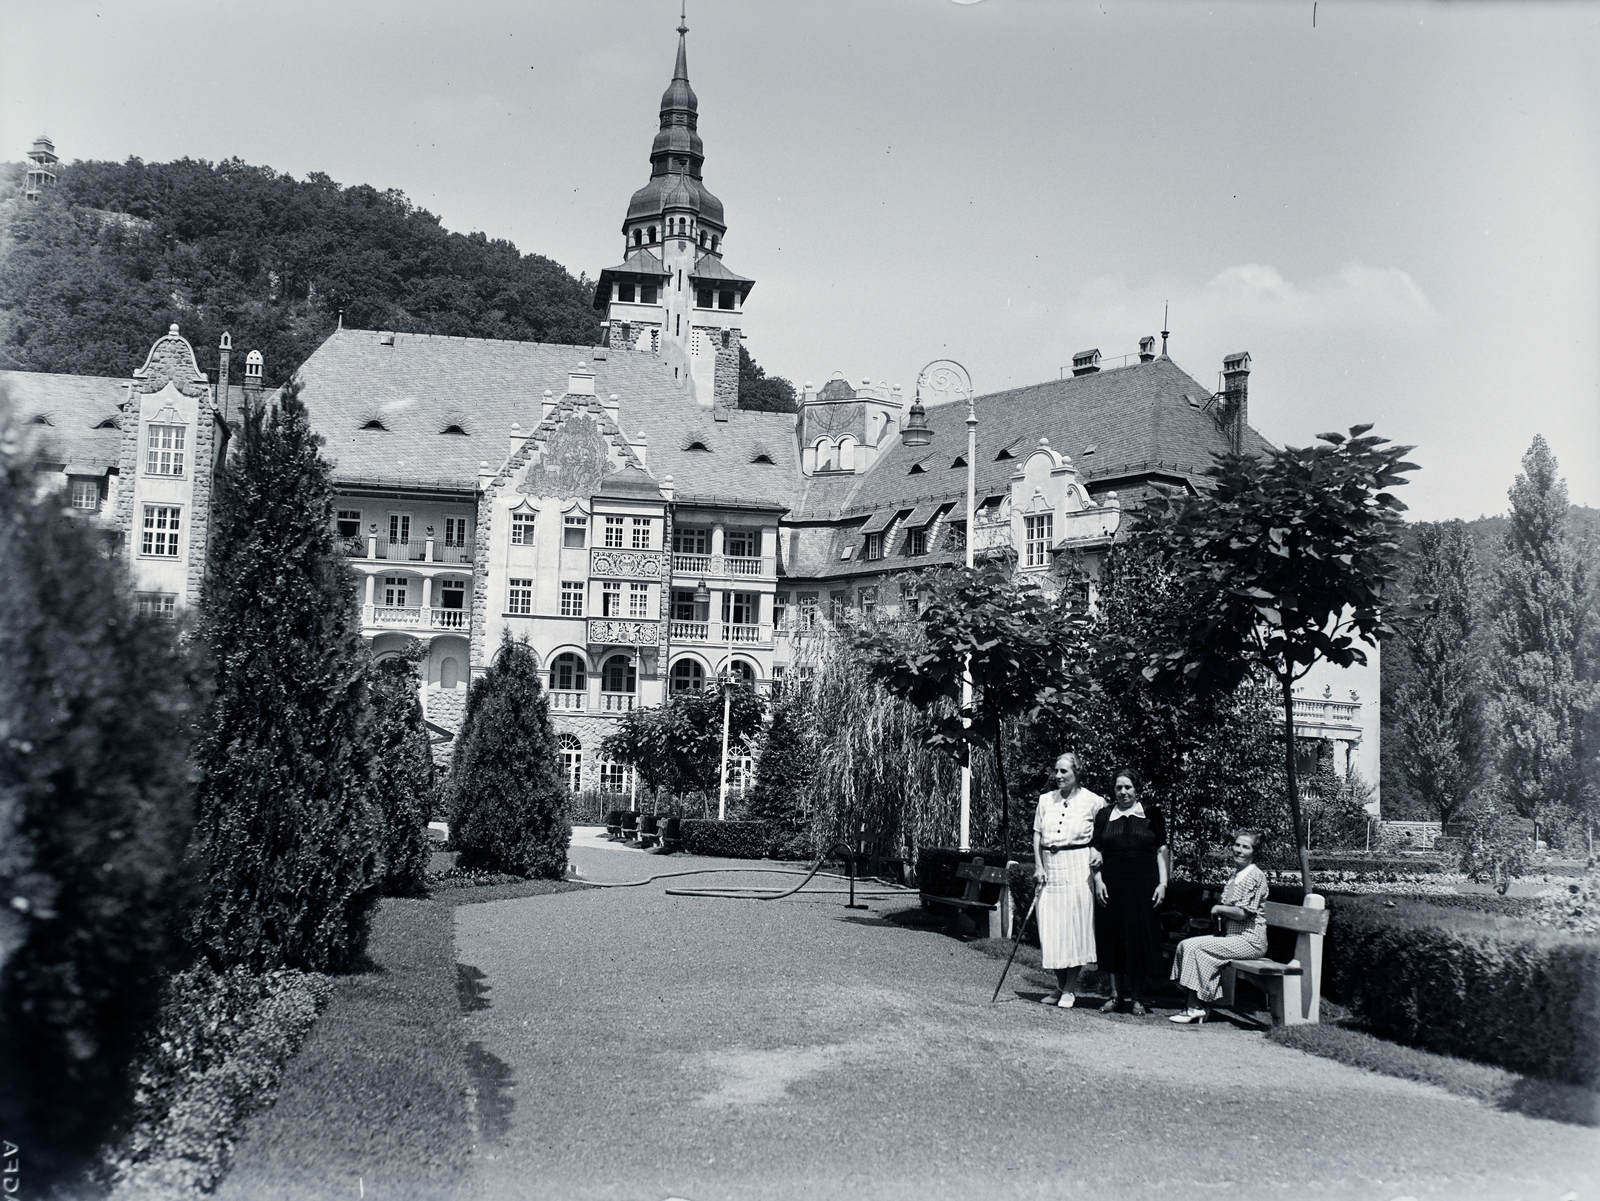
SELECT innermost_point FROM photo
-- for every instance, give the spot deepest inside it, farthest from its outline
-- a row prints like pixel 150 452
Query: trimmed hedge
pixel 742 840
pixel 1423 865
pixel 1493 989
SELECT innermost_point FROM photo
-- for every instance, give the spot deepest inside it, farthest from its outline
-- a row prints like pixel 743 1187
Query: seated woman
pixel 1199 962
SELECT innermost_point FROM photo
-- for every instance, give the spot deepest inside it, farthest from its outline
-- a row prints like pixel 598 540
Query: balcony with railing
pixel 610 631
pixel 420 550
pixel 713 633
pixel 758 567
pixel 612 562
pixel 419 617
pixel 691 631
pixel 616 702
pixel 567 699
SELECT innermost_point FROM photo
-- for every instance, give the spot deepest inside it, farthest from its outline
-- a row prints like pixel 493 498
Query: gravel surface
pixel 623 1043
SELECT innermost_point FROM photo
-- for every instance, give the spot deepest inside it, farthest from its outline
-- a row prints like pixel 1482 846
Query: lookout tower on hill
pixel 672 294
pixel 41 168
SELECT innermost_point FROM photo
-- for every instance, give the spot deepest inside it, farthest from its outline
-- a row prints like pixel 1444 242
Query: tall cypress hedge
pixel 96 807
pixel 508 805
pixel 402 772
pixel 289 836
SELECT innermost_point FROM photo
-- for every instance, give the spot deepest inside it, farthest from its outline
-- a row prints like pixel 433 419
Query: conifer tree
pixel 508 805
pixel 1439 707
pixel 289 836
pixel 96 808
pixel 787 764
pixel 402 772
pixel 1540 697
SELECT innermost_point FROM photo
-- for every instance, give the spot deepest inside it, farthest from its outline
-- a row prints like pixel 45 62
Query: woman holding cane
pixel 1063 826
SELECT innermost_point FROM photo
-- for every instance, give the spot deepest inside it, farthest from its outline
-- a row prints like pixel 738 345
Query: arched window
pixel 638 236
pixel 618 674
pixel 571 762
pixel 567 673
pixel 826 457
pixel 652 234
pixel 743 672
pixel 687 676
pixel 714 242
pixel 449 673
pixel 847 453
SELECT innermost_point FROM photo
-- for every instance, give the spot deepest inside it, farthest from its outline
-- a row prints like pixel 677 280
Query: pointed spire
pixel 681 71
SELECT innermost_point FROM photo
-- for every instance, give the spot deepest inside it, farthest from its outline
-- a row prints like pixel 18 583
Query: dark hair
pixel 1133 775
pixel 1258 839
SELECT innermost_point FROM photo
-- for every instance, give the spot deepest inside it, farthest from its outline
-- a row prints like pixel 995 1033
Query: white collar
pixel 1136 811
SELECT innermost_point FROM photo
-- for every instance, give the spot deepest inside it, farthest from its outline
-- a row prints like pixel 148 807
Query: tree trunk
pixel 1294 784
pixel 1005 796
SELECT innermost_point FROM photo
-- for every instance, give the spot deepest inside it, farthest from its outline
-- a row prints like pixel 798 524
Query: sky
pixel 1395 208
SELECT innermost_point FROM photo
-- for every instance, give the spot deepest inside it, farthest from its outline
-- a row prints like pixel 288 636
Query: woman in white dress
pixel 1063 826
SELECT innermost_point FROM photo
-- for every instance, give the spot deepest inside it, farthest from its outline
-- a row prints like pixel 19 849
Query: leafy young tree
pixel 289 838
pixel 694 733
pixel 1286 558
pixel 1439 706
pixel 1024 655
pixel 1538 690
pixel 508 803
pixel 762 392
pixel 96 808
pixel 402 772
pixel 642 741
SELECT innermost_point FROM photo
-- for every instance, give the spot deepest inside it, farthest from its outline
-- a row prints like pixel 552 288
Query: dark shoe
pixel 1138 1010
pixel 1112 1005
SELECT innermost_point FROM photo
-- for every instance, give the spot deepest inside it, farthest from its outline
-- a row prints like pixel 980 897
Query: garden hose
pixel 760 894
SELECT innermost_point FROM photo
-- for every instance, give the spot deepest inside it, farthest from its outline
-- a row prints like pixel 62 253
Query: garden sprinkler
pixel 1017 942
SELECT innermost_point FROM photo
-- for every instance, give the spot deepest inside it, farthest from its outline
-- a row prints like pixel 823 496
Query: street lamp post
pixel 702 596
pixel 947 376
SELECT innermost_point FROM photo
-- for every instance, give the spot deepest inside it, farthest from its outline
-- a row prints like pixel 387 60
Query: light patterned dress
pixel 1066 906
pixel 1199 961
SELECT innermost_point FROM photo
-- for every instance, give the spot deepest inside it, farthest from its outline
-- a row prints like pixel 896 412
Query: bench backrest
pixel 976 875
pixel 1296 918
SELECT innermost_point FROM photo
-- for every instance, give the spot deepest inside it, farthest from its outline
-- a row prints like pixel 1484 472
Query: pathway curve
pixel 629 1044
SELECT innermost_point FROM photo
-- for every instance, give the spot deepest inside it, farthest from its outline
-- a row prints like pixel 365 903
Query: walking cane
pixel 1017 942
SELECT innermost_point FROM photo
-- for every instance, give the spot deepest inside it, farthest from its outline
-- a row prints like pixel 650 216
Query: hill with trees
pixel 116 252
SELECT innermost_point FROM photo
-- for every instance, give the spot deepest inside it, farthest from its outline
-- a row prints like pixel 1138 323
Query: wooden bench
pixel 672 834
pixel 630 826
pixel 649 830
pixel 965 910
pixel 614 825
pixel 1293 989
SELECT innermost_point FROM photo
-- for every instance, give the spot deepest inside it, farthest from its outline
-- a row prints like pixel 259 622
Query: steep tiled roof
pixel 1145 419
pixel 640 262
pixel 709 266
pixel 62 415
pixel 421 385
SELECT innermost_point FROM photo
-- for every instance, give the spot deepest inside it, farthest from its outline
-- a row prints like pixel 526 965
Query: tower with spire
pixel 671 294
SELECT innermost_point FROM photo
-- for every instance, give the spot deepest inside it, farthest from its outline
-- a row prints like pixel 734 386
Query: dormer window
pixel 110 423
pixel 763 458
pixel 959 461
pixel 454 429
pixel 1005 453
pixel 375 424
pixel 698 446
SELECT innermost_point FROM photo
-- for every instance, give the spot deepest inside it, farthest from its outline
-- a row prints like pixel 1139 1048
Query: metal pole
pixel 966 675
pixel 727 705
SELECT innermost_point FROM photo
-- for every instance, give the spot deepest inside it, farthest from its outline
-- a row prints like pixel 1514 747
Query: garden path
pixel 628 1044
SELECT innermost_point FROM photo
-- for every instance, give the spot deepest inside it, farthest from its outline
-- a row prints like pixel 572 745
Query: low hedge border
pixel 1489 988
pixel 216 1057
pixel 743 840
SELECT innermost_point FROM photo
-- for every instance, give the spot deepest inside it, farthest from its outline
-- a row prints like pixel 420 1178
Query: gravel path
pixel 628 1044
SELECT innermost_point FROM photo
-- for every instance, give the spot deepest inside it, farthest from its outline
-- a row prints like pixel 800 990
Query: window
pixel 1036 539
pixel 687 676
pixel 455 531
pixel 574 529
pixel 780 609
pixel 571 598
pixel 615 777
pixel 808 610
pixel 638 600
pixel 625 291
pixel 725 300
pixel 741 608
pixel 614 532
pixel 160 531
pixel 955 537
pixel 838 602
pixel 452 594
pixel 522 528
pixel 568 674
pixel 652 235
pixel 571 762
pixel 689 541
pixel 742 544
pixel 86 494
pixel 917 542
pixel 872 548
pixel 641 533
pixel 394 591
pixel 163 451
pixel 649 294
pixel 349 523
pixel 400 529
pixel 157 604
pixel 867 598
pixel 450 673
pixel 611 600
pixel 702 297
pixel 519 598
pixel 618 675
pixel 742 672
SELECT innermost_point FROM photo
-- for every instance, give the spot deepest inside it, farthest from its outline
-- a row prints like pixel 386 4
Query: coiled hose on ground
pixel 876 889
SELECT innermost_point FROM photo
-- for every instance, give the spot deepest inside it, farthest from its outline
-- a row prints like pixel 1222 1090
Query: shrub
pixel 222 1043
pixel 96 807
pixel 1495 848
pixel 742 840
pixel 1406 865
pixel 289 839
pixel 508 805
pixel 402 773
pixel 786 763
pixel 1482 987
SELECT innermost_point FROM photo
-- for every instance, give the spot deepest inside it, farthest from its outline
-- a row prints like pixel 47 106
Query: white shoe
pixel 1195 1016
pixel 1068 1000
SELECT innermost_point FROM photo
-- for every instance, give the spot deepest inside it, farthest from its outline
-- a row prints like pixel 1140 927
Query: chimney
pixel 1147 349
pixel 1236 397
pixel 580 380
pixel 224 401
pixel 252 380
pixel 1086 362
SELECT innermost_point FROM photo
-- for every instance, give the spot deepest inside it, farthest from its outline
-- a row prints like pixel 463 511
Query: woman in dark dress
pixel 1130 884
